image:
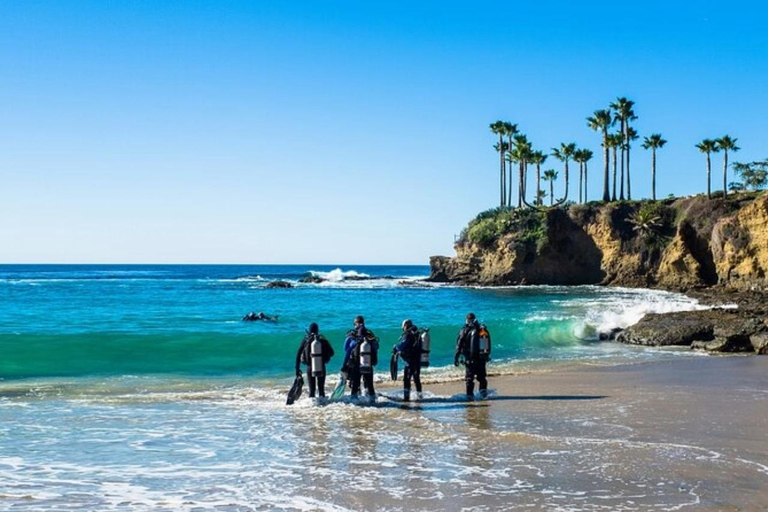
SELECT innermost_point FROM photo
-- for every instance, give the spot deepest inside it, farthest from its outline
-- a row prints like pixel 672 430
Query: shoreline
pixel 693 425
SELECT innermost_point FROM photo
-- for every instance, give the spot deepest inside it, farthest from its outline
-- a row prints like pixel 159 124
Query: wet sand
pixel 690 433
pixel 687 434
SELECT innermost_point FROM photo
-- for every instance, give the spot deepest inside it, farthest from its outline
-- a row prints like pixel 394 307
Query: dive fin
pixel 393 365
pixel 295 392
pixel 338 391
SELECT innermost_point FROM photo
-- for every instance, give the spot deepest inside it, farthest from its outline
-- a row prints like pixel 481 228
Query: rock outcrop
pixel 687 244
pixel 278 284
pixel 713 330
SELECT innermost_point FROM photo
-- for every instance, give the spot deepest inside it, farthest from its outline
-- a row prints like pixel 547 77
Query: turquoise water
pixel 140 388
pixel 79 321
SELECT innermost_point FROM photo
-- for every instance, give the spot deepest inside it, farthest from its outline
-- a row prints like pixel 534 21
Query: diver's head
pixel 470 318
pixel 313 328
pixel 407 324
pixel 359 320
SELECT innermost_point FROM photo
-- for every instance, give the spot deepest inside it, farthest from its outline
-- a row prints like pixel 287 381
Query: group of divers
pixel 361 348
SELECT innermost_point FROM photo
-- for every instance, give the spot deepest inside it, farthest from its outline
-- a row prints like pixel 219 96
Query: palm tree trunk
pixel 621 185
pixel 581 180
pixel 614 173
pixel 606 172
pixel 725 174
pixel 509 188
pixel 653 174
pixel 502 170
pixel 709 180
pixel 521 184
pixel 525 182
pixel 565 197
pixel 538 184
pixel 551 192
pixel 629 182
pixel 585 183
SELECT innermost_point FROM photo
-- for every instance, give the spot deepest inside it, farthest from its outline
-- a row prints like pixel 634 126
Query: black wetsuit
pixel 410 352
pixel 304 356
pixel 475 362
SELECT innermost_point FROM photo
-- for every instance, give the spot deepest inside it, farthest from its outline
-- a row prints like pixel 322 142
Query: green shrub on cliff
pixel 527 226
pixel 654 222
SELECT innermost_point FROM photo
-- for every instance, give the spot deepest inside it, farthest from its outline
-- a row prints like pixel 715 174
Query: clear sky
pixel 337 132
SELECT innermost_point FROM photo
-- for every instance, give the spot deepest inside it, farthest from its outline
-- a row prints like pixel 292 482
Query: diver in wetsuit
pixel 253 317
pixel 474 345
pixel 361 349
pixel 409 348
pixel 315 352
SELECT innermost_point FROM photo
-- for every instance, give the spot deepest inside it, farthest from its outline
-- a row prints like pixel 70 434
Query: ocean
pixel 139 387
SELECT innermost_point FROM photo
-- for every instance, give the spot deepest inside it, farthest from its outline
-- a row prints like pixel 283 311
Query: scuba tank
pixel 366 353
pixel 316 356
pixel 425 342
pixel 485 343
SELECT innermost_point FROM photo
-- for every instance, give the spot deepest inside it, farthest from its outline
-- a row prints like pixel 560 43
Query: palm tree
pixel 726 144
pixel 614 141
pixel 523 152
pixel 631 134
pixel 564 153
pixel 526 153
pixel 537 158
pixel 498 129
pixel 623 113
pixel 540 195
pixel 577 159
pixel 653 143
pixel 550 175
pixel 513 159
pixel 510 130
pixel 708 146
pixel 586 156
pixel 600 121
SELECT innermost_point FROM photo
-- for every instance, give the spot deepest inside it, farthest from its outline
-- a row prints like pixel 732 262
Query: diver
pixel 474 345
pixel 253 317
pixel 361 349
pixel 409 348
pixel 314 352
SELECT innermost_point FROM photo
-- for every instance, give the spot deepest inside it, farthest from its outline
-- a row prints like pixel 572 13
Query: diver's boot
pixel 407 395
pixel 419 395
pixel 483 394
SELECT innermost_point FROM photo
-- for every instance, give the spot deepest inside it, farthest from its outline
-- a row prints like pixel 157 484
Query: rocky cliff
pixel 678 244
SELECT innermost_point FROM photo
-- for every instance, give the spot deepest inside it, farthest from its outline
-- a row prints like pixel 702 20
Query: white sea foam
pixel 622 307
pixel 337 275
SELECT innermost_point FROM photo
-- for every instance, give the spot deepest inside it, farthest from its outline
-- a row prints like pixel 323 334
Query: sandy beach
pixel 687 434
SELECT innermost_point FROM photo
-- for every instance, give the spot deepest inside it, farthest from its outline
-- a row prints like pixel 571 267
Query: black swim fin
pixel 295 391
pixel 393 366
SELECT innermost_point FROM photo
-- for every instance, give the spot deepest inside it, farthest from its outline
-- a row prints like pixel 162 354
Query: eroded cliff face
pixel 701 243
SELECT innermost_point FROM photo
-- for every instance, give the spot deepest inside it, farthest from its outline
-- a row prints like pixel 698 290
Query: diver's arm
pixel 298 356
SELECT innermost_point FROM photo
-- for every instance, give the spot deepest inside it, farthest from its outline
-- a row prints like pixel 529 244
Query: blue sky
pixel 337 132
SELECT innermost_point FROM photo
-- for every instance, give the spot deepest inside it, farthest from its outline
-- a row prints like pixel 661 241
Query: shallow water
pixel 139 388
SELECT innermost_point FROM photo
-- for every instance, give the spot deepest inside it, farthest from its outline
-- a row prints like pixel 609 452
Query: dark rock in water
pixel 713 330
pixel 413 284
pixel 734 334
pixel 279 284
pixel 722 345
pixel 611 335
pixel 366 278
pixel 311 279
pixel 681 328
pixel 759 343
